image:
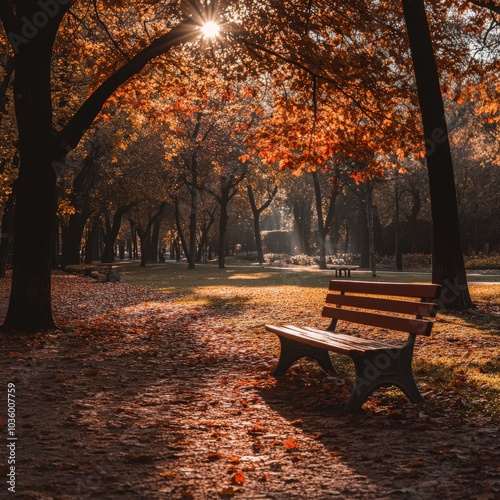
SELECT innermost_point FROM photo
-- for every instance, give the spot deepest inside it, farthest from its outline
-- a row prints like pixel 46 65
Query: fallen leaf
pixel 239 478
pixel 290 444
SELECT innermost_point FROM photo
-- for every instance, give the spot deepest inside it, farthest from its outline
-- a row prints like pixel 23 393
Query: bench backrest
pixel 372 303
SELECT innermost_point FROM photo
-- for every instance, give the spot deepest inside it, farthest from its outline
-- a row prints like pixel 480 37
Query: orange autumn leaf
pixel 290 444
pixel 169 474
pixel 239 478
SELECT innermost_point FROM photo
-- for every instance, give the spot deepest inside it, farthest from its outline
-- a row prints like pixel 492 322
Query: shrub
pixel 85 269
pixel 481 262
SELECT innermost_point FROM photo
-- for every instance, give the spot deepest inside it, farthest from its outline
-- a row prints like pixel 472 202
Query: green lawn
pixel 459 361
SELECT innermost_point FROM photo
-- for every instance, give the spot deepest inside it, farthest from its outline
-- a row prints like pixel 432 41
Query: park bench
pixel 339 269
pixel 377 362
pixel 104 272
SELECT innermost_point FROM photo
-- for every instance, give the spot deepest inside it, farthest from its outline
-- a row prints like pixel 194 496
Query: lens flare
pixel 210 29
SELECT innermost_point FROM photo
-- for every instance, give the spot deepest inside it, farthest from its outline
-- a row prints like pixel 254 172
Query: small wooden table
pixel 104 272
pixel 346 269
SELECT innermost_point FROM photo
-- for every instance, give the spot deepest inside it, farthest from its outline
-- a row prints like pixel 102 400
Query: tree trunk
pixel 72 238
pixel 92 235
pixel 180 232
pixel 121 249
pixel 30 306
pixel 321 225
pixel 205 228
pixel 6 234
pixel 134 252
pixel 448 268
pixel 224 201
pixel 370 228
pixel 155 237
pixel 362 234
pixel 324 225
pixel 108 254
pixel 397 244
pixel 301 210
pixel 144 237
pixel 257 211
pixel 193 216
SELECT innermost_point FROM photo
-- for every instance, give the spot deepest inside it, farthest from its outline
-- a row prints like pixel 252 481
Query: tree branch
pixel 108 34
pixel 254 48
pixel 487 4
pixel 72 133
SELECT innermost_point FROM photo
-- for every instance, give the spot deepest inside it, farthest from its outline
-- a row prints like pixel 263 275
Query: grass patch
pixel 458 366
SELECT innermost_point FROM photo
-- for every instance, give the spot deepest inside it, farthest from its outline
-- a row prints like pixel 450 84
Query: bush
pixel 85 269
pixel 481 262
pixel 284 259
pixel 411 262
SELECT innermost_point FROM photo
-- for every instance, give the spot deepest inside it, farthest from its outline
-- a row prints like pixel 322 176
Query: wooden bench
pixel 342 268
pixel 104 272
pixel 377 362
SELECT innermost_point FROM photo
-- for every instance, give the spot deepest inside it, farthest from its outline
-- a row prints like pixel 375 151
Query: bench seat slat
pixel 340 343
pixel 414 326
pixel 381 288
pixel 380 304
pixel 311 338
pixel 375 344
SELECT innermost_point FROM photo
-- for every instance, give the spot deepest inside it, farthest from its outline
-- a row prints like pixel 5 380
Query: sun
pixel 210 29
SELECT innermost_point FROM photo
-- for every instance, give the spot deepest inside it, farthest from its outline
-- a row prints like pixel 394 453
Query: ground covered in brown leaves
pixel 149 396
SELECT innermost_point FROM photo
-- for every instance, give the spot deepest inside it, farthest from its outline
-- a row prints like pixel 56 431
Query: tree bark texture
pixel 36 195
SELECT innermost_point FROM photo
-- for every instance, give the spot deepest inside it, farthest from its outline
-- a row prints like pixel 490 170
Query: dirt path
pixel 148 399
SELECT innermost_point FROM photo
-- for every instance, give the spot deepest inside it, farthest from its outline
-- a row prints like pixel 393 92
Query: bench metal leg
pixel 292 351
pixel 386 368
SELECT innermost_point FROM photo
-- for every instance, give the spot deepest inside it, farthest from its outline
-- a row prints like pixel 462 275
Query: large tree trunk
pixel 448 268
pixel 30 299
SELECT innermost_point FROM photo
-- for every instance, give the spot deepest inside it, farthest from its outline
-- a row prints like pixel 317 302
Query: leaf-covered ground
pixel 164 391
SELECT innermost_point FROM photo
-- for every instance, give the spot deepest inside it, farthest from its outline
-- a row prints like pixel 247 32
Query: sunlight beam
pixel 210 29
